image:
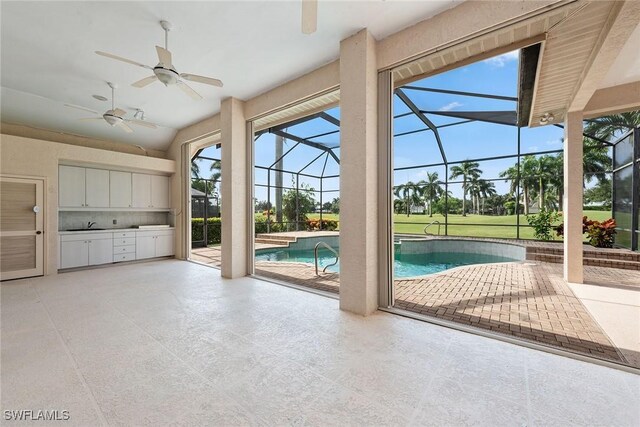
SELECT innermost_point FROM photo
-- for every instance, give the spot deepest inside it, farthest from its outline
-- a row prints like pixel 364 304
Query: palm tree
pixel 410 193
pixel 486 189
pixel 467 170
pixel 195 170
pixel 215 173
pixel 606 127
pixel 431 189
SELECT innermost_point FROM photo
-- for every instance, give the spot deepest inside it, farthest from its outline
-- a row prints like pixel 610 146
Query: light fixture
pixel 547 118
pixel 100 97
pixel 139 114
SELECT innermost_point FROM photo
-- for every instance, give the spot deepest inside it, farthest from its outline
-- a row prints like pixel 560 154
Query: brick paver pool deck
pixel 528 299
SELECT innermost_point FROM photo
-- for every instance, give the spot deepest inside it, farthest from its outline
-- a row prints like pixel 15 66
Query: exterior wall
pixel 38 158
pixel 422 246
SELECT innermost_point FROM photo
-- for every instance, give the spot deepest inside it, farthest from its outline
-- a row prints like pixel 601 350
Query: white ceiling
pixel 48 58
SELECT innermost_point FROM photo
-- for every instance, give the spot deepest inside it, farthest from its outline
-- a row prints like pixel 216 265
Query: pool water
pixel 407 265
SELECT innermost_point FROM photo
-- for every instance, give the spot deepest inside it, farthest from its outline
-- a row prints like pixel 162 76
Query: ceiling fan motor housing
pixel 166 75
pixel 111 118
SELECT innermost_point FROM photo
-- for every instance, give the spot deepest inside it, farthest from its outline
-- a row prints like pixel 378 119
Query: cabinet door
pixel 100 251
pixel 71 187
pixel 165 245
pixel 74 254
pixel 97 188
pixel 119 189
pixel 145 247
pixel 140 190
pixel 160 191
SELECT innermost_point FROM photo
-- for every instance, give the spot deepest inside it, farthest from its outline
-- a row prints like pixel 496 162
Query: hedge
pixel 214 230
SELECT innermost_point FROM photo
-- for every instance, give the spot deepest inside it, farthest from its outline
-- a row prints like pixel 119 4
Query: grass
pixel 484 225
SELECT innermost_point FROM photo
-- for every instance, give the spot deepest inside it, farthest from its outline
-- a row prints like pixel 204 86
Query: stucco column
pixel 235 163
pixel 572 203
pixel 358 174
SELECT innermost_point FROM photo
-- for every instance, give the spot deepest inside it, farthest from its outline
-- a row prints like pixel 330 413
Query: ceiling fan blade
pixel 86 119
pixel 188 90
pixel 119 58
pixel 81 108
pixel 124 127
pixel 309 16
pixel 142 123
pixel 145 82
pixel 164 56
pixel 119 112
pixel 201 79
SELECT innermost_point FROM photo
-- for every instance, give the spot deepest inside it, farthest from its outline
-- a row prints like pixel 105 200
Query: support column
pixel 358 174
pixel 235 164
pixel 572 203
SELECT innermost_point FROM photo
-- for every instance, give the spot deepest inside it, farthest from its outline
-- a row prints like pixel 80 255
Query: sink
pixel 85 229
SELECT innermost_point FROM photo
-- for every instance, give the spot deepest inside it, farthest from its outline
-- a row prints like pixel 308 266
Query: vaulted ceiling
pixel 48 58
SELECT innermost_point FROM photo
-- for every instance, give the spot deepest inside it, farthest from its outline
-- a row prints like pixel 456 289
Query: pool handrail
pixel 315 256
pixel 430 224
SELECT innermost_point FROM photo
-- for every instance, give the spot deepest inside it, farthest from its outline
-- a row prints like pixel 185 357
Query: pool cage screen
pixel 626 189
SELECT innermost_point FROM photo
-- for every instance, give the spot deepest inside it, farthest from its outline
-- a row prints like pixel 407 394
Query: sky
pixel 495 76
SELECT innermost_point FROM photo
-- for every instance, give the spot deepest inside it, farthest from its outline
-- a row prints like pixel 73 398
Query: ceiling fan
pixel 309 16
pixel 165 71
pixel 114 115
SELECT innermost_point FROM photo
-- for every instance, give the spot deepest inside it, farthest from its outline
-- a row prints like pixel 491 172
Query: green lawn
pixel 415 224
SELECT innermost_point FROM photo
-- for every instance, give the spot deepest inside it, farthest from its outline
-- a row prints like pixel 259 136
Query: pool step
pixel 276 236
pixel 274 242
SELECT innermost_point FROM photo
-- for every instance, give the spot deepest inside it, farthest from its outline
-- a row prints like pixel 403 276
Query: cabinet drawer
pixel 124 257
pixel 123 241
pixel 124 249
pixel 124 234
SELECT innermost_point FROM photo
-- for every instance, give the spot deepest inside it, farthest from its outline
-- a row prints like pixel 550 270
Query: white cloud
pixel 500 60
pixel 554 142
pixel 450 106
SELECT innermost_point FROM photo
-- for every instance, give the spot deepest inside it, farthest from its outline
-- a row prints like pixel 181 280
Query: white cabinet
pixel 74 254
pixel 140 190
pixel 81 250
pixel 101 188
pixel 71 187
pixel 160 192
pixel 96 188
pixel 151 244
pixel 119 189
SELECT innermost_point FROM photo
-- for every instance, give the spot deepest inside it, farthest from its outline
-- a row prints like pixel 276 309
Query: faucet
pixel 90 224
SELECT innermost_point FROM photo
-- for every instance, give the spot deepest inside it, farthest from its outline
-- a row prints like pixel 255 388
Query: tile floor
pixel 170 342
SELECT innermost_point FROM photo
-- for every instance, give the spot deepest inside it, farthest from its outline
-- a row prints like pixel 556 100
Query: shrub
pixel 543 224
pixel 327 224
pixel 214 230
pixel 599 234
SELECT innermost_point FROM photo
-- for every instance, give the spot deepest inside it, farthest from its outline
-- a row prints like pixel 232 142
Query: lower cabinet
pixel 86 249
pixel 152 244
pixel 81 250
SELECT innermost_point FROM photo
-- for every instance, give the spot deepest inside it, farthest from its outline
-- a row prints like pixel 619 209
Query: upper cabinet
pixel 120 189
pixel 100 188
pixel 160 192
pixel 140 190
pixel 71 187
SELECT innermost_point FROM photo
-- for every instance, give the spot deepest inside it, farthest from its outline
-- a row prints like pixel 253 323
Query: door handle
pixel 38 232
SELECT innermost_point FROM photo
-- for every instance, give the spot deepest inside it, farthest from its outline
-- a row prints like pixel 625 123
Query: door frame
pixel 41 239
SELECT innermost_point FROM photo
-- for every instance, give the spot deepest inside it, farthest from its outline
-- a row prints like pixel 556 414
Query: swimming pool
pixel 405 265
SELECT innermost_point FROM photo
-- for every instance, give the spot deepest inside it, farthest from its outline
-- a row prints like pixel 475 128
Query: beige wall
pixel 38 158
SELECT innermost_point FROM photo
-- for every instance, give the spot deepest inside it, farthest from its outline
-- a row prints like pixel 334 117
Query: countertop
pixel 115 230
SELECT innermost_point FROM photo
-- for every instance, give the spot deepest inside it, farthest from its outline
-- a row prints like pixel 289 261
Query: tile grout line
pixel 74 363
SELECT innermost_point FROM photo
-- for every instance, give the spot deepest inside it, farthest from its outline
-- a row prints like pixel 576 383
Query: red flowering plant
pixel 599 234
pixel 327 224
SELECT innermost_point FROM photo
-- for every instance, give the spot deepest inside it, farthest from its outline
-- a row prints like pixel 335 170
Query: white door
pixel 71 187
pixel 160 191
pixel 140 190
pixel 165 245
pixel 100 251
pixel 97 188
pixel 120 189
pixel 145 247
pixel 21 228
pixel 74 254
